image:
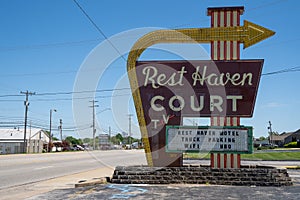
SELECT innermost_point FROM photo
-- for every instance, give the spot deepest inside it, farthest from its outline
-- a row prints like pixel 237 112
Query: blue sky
pixel 43 44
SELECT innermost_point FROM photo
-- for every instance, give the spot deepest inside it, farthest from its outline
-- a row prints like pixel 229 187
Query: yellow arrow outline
pixel 248 34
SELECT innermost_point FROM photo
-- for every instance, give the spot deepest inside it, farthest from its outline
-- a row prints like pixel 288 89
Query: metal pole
pixel 109 133
pixel 129 128
pixel 50 128
pixel 60 128
pixel 26 103
pixel 270 128
pixel 50 138
pixel 25 125
pixel 94 130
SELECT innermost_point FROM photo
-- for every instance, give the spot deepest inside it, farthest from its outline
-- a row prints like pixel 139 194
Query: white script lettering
pixel 221 79
pixel 157 80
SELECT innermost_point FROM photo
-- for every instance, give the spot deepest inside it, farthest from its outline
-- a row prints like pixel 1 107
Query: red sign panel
pixel 198 88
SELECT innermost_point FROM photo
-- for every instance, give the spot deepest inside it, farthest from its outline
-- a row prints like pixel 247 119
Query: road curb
pixel 94 181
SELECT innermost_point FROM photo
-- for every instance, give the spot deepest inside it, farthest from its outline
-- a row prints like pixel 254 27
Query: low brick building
pixel 280 139
pixel 285 138
pixel 295 136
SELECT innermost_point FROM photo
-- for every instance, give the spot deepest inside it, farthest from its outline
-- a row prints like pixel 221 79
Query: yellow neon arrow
pixel 248 34
pixel 255 34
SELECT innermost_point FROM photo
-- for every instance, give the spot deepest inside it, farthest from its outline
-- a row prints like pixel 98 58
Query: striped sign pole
pixel 225 50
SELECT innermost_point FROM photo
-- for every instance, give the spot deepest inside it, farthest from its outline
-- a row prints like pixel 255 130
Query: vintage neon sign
pixel 199 88
pixel 213 104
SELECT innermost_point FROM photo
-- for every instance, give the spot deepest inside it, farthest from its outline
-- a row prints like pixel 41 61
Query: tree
pixel 87 140
pixel 114 140
pixel 120 137
pixel 262 138
pixel 73 140
pixel 117 139
pixel 65 145
pixel 130 140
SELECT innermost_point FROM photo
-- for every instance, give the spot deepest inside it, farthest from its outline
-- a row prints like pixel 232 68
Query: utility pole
pixel 270 128
pixel 109 133
pixel 94 130
pixel 129 128
pixel 26 103
pixel 29 141
pixel 50 128
pixel 60 129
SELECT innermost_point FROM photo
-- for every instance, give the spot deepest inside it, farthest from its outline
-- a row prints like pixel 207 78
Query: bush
pixel 291 145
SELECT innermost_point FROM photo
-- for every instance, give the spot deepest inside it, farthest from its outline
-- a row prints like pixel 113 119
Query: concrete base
pixel 95 181
pixel 244 176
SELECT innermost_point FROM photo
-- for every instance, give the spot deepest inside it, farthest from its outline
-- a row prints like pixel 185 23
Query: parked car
pixel 78 147
pixel 269 145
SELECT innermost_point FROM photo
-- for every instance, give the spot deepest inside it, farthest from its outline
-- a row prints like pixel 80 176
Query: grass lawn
pixel 255 156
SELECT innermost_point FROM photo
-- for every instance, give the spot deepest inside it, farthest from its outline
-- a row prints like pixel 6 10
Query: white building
pixel 12 140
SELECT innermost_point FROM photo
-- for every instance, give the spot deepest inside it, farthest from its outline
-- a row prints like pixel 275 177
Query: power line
pixel 79 92
pixel 42 46
pixel 53 72
pixel 10 100
pixel 265 5
pixel 38 74
pixel 292 69
pixel 98 29
pixel 68 93
pixel 11 95
pixel 78 98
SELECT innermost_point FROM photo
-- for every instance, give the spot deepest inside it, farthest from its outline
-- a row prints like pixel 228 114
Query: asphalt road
pixel 33 176
pixel 23 169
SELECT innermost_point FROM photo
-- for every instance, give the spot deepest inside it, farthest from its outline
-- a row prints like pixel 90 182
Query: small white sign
pixel 181 139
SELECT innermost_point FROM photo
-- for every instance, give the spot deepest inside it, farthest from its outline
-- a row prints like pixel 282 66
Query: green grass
pixel 272 156
pixel 255 156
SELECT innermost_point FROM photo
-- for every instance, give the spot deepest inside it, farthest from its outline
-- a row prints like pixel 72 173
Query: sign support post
pixel 225 50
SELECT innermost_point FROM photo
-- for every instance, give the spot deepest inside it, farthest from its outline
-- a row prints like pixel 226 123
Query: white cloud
pixel 273 105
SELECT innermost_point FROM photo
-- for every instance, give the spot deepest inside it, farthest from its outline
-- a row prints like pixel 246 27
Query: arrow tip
pixel 255 33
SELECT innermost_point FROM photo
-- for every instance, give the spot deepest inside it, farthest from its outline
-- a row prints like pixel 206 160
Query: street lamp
pixel 50 135
pixel 270 133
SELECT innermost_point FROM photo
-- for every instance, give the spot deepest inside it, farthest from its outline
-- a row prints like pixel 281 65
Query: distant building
pixel 104 143
pixel 280 139
pixel 295 136
pixel 285 138
pixel 12 141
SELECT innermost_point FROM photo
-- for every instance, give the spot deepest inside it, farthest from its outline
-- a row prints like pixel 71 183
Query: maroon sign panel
pixel 198 88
